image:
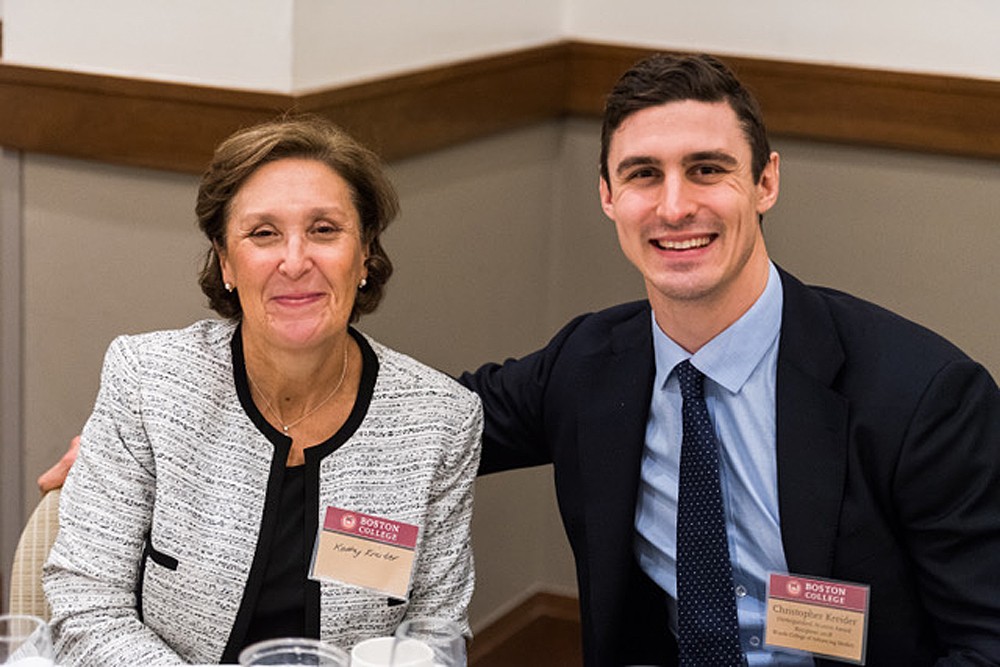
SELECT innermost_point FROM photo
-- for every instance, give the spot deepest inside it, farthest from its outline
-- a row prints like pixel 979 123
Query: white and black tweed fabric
pixel 172 451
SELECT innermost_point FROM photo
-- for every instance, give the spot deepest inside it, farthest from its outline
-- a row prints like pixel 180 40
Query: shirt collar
pixel 731 357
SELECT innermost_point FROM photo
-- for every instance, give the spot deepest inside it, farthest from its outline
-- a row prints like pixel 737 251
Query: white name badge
pixel 365 551
pixel 824 617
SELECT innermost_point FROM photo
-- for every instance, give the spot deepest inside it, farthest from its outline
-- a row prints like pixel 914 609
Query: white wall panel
pixel 228 43
pixel 300 45
pixel 958 37
pixel 268 45
pixel 339 42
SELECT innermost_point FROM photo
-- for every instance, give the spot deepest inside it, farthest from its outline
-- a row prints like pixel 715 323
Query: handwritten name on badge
pixel 366 551
pixel 826 618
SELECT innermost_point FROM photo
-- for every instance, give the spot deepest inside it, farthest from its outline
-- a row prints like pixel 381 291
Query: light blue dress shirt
pixel 740 367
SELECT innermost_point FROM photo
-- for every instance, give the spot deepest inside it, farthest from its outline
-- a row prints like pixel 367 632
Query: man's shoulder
pixel 626 324
pixel 871 339
pixel 622 311
pixel 866 323
pixel 633 313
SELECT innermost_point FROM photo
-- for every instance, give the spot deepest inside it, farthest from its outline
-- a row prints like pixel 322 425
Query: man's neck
pixel 693 323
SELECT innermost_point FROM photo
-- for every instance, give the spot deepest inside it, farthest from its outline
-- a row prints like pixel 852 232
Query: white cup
pixel 392 652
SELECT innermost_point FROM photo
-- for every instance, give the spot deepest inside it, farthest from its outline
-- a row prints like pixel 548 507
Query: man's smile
pixel 685 244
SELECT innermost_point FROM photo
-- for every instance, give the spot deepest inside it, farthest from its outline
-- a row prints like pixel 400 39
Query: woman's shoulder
pixel 401 372
pixel 203 344
pixel 207 333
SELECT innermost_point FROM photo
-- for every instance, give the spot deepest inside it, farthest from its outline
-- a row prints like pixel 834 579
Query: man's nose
pixel 677 201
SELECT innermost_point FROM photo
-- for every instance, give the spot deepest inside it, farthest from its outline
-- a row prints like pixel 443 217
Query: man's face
pixel 686 207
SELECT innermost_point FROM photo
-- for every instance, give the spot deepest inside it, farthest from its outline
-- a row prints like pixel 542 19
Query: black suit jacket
pixel 888 454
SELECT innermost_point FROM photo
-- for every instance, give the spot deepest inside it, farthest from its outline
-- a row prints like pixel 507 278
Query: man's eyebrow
pixel 712 156
pixel 634 161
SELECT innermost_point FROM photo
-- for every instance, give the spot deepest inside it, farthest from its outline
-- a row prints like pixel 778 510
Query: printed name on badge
pixel 824 617
pixel 365 551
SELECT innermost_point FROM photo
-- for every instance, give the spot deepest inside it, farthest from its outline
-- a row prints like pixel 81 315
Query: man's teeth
pixel 700 242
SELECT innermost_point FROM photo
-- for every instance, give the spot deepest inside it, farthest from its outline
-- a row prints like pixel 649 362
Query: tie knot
pixel 692 380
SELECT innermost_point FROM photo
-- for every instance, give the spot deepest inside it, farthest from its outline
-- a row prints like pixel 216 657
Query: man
pixel 851 446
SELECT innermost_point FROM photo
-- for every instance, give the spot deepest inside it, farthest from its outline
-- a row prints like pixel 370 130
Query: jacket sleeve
pixel 947 491
pixel 92 574
pixel 444 581
pixel 513 396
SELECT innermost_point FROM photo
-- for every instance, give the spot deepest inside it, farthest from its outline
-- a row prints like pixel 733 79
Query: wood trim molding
pixel 175 126
pixel 509 627
pixel 920 112
pixel 124 121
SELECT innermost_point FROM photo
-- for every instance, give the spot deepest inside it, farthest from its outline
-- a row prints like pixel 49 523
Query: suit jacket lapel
pixel 612 423
pixel 812 431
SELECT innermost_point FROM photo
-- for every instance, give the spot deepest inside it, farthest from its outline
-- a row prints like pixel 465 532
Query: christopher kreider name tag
pixel 366 551
pixel 824 617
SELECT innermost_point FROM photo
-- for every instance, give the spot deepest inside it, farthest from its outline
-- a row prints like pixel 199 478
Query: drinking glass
pixel 443 636
pixel 25 641
pixel 392 652
pixel 293 651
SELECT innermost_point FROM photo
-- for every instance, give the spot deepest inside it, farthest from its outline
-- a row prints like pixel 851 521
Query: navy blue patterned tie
pixel 707 629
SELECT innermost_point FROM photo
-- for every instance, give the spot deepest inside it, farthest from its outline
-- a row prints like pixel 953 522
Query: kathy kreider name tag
pixel 366 551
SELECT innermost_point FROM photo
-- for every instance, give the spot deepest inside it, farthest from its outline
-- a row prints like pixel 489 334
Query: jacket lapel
pixel 612 428
pixel 812 431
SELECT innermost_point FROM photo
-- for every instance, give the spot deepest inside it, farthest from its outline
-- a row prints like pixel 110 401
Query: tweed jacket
pixel 174 499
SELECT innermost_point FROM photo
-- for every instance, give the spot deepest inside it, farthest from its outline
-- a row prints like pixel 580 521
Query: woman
pixel 189 519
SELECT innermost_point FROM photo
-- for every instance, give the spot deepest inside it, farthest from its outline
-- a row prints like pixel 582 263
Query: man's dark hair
pixel 664 78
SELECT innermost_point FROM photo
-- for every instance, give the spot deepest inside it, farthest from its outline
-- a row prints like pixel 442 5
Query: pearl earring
pixel 362 284
pixel 229 288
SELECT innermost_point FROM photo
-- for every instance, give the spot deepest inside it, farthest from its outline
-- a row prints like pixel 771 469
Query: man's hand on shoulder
pixel 55 477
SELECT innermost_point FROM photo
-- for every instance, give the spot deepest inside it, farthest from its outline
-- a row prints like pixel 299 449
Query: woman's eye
pixel 325 229
pixel 262 233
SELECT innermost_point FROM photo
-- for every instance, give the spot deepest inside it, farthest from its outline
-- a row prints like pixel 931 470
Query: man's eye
pixel 642 173
pixel 708 170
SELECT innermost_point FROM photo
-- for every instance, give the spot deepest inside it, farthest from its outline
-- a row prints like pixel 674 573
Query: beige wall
pixel 917 234
pixel 500 242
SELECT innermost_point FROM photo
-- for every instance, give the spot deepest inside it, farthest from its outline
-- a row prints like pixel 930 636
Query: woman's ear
pixel 220 252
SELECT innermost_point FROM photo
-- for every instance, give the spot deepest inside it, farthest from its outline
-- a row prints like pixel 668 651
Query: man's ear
pixel 607 204
pixel 769 183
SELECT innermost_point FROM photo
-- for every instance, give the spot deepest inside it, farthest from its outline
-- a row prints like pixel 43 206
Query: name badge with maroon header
pixel 824 617
pixel 365 551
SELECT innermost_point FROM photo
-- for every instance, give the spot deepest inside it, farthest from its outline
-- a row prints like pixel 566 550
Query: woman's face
pixel 294 254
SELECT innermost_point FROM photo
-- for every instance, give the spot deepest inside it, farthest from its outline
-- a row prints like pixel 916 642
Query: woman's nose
pixel 295 261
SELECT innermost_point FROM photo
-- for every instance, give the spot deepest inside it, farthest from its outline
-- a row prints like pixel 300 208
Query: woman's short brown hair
pixel 306 137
